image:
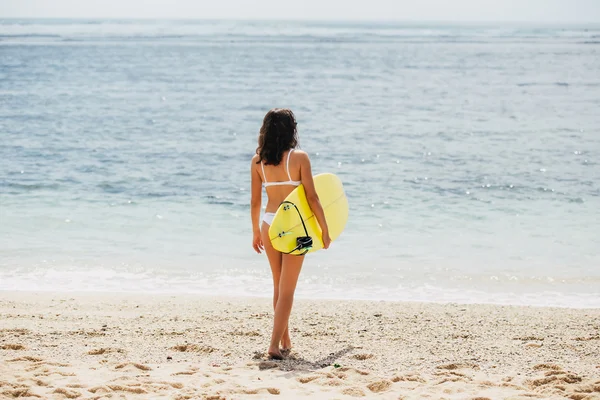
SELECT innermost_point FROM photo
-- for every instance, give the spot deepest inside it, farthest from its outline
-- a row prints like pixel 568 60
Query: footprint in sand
pixel 570 384
pixel 50 364
pixel 542 367
pixel 332 382
pixel 459 365
pixel 175 385
pixel 193 348
pixel 267 365
pixel 409 378
pixel 555 377
pixel 581 396
pixel 12 346
pixel 362 357
pixel 20 392
pixel 528 338
pixel 129 389
pixel 133 366
pixel 453 378
pixel 40 382
pixel 69 394
pixel 183 373
pixel 213 382
pixel 354 392
pixel 248 333
pixel 158 386
pixel 450 373
pixel 105 350
pixel 307 379
pixel 340 375
pixel 16 331
pixel 273 391
pixel 42 369
pixel 585 339
pixel 462 336
pixel 75 386
pixel 99 390
pixel 379 386
pixel 354 371
pixel 26 358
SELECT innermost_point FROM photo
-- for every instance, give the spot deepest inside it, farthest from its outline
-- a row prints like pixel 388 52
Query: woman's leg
pixel 275 261
pixel 290 270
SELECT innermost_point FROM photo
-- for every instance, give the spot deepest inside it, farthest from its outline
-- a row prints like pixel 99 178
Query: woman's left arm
pixel 255 203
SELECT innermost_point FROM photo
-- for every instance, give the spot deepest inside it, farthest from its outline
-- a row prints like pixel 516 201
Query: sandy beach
pixel 134 346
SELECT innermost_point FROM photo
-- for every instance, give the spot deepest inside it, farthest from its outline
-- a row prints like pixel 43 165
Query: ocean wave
pixel 275 39
pixel 111 188
pixel 28 35
pixel 543 291
pixel 223 31
pixel 564 84
pixel 218 200
pixel 30 187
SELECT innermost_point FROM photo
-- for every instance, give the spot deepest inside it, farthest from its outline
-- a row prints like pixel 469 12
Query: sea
pixel 469 154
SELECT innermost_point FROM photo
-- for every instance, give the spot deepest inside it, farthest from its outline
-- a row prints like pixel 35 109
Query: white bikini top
pixel 290 182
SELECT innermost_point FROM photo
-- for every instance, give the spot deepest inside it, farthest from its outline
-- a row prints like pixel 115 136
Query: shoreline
pixel 199 295
pixel 98 345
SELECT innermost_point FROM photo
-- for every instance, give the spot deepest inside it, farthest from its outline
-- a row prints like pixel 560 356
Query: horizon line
pixel 330 20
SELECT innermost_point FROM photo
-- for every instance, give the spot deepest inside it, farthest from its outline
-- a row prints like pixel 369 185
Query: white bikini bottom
pixel 268 217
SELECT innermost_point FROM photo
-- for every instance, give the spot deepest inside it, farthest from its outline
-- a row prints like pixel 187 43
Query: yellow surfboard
pixel 287 223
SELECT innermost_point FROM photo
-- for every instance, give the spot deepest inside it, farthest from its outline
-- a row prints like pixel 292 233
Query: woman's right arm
pixel 313 198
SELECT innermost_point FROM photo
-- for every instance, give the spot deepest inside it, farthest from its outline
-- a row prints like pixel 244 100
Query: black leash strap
pixel 302 242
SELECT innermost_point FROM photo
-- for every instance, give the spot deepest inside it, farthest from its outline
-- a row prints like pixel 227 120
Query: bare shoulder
pixel 255 159
pixel 301 155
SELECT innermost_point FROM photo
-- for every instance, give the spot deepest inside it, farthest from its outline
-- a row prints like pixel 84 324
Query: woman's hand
pixel 257 242
pixel 326 239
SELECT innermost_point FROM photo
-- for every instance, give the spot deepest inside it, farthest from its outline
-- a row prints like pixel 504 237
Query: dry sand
pixel 95 346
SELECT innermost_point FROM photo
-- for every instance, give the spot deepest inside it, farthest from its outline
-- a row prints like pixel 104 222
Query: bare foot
pixel 286 346
pixel 286 342
pixel 275 355
pixel 286 351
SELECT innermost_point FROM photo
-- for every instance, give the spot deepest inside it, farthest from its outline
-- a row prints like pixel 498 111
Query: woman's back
pixel 280 180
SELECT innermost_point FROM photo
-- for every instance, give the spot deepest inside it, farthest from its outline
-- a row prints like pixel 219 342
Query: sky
pixel 541 11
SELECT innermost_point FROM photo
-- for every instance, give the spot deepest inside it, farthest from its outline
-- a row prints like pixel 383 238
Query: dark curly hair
pixel 277 134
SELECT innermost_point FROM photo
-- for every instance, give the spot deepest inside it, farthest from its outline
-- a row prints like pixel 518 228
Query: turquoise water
pixel 469 154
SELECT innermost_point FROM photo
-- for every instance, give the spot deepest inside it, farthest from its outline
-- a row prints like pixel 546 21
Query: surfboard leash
pixel 302 242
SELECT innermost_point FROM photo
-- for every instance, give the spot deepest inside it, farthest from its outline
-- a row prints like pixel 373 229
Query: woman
pixel 281 168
